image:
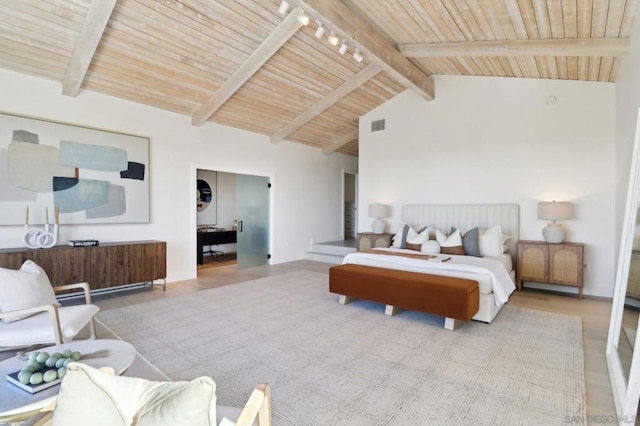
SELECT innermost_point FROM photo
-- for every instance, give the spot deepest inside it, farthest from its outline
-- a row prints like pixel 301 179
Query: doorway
pixel 350 206
pixel 216 214
pixel 232 219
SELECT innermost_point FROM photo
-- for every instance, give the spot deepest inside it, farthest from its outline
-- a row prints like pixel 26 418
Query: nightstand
pixel 549 263
pixel 367 240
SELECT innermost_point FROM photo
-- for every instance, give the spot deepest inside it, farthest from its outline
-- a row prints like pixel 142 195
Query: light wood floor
pixel 594 313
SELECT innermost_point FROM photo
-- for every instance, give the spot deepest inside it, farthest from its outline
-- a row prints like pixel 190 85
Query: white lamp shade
pixel 553 210
pixel 379 210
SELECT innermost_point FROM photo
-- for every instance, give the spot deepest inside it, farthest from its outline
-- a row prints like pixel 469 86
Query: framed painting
pixel 88 176
pixel 206 197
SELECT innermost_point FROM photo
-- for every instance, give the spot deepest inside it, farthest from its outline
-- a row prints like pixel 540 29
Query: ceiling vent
pixel 377 126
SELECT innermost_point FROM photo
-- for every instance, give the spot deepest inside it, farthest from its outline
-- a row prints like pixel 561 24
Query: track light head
pixel 358 56
pixel 284 7
pixel 333 39
pixel 320 30
pixel 303 18
pixel 343 48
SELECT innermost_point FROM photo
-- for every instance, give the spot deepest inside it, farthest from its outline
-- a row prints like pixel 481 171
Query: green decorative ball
pixel 50 376
pixel 67 353
pixel 42 357
pixel 76 355
pixel 61 372
pixel 36 378
pixel 60 362
pixel 33 356
pixel 51 361
pixel 24 376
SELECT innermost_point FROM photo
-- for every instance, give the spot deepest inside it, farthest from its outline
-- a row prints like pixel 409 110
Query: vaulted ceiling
pixel 245 64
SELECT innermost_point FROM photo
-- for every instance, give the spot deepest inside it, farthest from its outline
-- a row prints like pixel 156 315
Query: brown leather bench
pixel 452 298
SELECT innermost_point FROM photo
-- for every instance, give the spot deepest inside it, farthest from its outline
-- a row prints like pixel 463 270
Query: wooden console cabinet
pixel 104 266
pixel 368 240
pixel 547 263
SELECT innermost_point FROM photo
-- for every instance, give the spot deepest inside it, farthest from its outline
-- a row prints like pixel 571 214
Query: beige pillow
pixel 28 287
pixel 91 397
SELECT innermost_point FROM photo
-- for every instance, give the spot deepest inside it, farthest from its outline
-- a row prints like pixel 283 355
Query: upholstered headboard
pixel 466 216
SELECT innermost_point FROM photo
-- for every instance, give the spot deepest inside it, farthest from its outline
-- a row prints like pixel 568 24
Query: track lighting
pixel 284 7
pixel 343 48
pixel 303 18
pixel 320 30
pixel 333 39
pixel 358 56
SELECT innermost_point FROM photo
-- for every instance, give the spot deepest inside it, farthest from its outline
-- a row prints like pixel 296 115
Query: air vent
pixel 377 126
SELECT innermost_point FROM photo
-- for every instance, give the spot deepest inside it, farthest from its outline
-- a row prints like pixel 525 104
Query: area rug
pixel 330 364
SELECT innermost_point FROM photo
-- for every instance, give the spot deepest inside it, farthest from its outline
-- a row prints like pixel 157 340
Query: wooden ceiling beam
pixel 330 99
pixel 274 41
pixel 373 45
pixel 538 47
pixel 86 45
pixel 341 141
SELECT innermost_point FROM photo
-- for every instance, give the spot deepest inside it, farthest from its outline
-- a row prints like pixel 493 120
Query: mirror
pixel 623 352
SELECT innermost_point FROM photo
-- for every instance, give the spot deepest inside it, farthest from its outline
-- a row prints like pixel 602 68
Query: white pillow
pixel 398 241
pixel 491 241
pixel 28 287
pixel 453 240
pixel 419 238
pixel 430 247
pixel 91 397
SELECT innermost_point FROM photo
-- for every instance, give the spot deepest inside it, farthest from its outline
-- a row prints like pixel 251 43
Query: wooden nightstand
pixel 367 240
pixel 547 263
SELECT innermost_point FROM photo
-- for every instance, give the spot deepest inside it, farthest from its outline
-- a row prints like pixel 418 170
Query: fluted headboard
pixel 466 216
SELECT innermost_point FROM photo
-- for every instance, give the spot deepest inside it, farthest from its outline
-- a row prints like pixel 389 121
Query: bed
pixel 495 275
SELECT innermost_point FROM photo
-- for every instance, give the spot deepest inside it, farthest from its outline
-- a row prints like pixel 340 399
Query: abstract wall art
pixel 88 175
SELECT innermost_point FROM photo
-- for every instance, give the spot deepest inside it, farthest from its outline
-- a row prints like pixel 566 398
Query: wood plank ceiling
pixel 242 63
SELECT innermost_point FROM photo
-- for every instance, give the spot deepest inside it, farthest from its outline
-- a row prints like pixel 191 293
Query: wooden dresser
pixel 542 262
pixel 104 266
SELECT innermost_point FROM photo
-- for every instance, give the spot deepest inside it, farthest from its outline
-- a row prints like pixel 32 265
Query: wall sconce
pixel 555 232
pixel 379 211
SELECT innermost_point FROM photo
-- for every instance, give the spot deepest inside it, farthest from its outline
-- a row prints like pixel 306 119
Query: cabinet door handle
pixel 240 224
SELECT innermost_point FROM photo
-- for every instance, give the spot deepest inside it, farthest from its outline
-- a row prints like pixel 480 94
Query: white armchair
pixel 30 313
pixel 48 323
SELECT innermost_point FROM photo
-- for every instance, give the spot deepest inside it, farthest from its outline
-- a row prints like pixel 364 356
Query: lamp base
pixel 378 226
pixel 554 233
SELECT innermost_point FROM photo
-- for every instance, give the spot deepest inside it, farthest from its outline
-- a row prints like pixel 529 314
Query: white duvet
pixel 459 266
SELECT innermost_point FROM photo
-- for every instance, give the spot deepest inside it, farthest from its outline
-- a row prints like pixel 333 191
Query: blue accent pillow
pixel 470 241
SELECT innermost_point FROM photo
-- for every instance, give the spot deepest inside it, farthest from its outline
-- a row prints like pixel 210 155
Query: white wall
pixel 306 197
pixel 495 140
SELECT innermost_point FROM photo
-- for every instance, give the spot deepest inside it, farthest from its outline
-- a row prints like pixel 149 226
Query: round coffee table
pixel 17 404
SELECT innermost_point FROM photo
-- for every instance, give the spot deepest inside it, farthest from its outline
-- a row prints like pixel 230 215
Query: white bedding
pixel 491 274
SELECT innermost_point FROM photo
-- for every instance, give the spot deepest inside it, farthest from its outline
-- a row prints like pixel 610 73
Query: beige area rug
pixel 330 364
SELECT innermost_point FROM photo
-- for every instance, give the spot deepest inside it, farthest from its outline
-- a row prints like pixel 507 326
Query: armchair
pixel 48 323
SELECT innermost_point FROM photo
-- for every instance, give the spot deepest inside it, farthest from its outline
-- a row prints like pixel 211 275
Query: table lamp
pixel 563 210
pixel 379 211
